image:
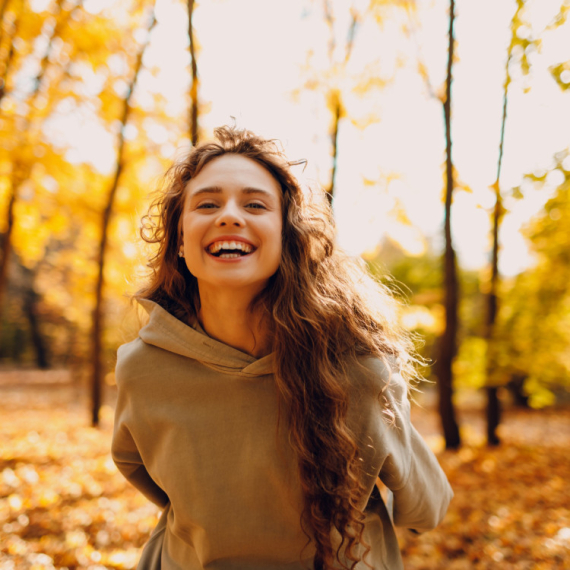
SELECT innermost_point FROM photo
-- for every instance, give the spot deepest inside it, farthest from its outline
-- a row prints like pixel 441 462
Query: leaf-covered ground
pixel 64 505
pixel 511 508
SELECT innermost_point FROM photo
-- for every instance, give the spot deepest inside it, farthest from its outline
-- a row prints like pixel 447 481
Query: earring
pixel 181 252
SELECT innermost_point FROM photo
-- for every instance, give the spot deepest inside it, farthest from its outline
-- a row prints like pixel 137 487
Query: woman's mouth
pixel 230 249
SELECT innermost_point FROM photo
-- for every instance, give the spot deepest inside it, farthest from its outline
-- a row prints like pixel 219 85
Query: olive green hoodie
pixel 196 431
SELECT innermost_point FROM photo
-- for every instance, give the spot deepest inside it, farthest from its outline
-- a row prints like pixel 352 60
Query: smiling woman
pixel 268 392
pixel 231 234
pixel 231 225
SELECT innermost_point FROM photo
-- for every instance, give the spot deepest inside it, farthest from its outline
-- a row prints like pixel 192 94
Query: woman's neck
pixel 226 316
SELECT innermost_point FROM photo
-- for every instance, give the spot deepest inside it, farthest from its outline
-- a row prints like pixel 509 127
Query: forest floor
pixel 64 505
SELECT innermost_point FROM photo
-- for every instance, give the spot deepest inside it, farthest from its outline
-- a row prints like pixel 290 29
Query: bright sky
pixel 250 61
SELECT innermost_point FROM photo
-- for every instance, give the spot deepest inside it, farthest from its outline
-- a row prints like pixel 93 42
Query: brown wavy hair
pixel 325 311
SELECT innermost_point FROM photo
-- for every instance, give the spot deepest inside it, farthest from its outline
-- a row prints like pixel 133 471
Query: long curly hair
pixel 325 311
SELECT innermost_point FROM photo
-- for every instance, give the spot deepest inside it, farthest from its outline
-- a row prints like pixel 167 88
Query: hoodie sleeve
pixel 421 492
pixel 124 450
pixel 128 461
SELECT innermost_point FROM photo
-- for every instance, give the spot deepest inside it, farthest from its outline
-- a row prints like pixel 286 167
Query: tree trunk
pixel 493 402
pixel 194 86
pixel 334 95
pixel 98 321
pixel 493 415
pixel 516 387
pixel 6 248
pixel 38 340
pixel 20 173
pixel 448 341
pixel 337 113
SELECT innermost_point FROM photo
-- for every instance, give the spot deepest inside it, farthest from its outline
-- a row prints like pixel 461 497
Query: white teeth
pixel 218 245
pixel 229 255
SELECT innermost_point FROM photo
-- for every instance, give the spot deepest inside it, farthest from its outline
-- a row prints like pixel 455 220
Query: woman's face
pixel 231 224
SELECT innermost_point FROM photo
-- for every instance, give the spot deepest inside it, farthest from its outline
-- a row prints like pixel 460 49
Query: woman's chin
pixel 232 284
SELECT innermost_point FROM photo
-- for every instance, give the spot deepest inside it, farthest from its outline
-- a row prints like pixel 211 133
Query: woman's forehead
pixel 233 171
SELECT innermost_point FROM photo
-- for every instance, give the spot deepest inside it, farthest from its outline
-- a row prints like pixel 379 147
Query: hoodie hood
pixel 165 331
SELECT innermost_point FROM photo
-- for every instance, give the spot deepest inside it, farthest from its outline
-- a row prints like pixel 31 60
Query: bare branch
pixel 354 21
pixel 422 68
pixel 329 19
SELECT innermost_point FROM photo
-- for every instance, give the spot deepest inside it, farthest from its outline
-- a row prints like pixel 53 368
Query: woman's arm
pixel 129 462
pixel 421 492
pixel 124 449
pixel 422 499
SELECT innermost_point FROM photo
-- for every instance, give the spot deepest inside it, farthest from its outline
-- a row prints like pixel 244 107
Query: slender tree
pixel 15 181
pixel 523 42
pixel 334 95
pixel 5 69
pixel 98 320
pixel 493 403
pixel 195 80
pixel 337 112
pixel 448 341
pixel 21 170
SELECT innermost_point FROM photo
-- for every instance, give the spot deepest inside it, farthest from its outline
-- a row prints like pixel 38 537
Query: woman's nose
pixel 230 215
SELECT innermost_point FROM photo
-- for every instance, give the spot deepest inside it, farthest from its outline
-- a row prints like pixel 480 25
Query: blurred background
pixel 440 131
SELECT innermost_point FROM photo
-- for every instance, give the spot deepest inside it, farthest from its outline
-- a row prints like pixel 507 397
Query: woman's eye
pixel 256 206
pixel 205 206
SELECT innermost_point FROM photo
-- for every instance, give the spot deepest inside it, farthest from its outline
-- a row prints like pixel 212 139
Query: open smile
pixel 230 249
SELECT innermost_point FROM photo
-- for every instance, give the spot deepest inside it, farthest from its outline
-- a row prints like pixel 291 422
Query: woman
pixel 267 393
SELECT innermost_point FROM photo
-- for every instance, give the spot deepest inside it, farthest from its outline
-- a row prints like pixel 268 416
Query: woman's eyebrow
pixel 207 190
pixel 250 190
pixel 218 190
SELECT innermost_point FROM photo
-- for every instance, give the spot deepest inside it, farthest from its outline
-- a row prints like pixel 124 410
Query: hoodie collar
pixel 167 332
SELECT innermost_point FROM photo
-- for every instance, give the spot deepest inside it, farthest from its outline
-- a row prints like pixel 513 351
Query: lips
pixel 229 248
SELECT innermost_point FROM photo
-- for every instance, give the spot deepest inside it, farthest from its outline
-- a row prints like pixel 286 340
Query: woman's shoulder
pixel 130 351
pixel 378 374
pixel 135 359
